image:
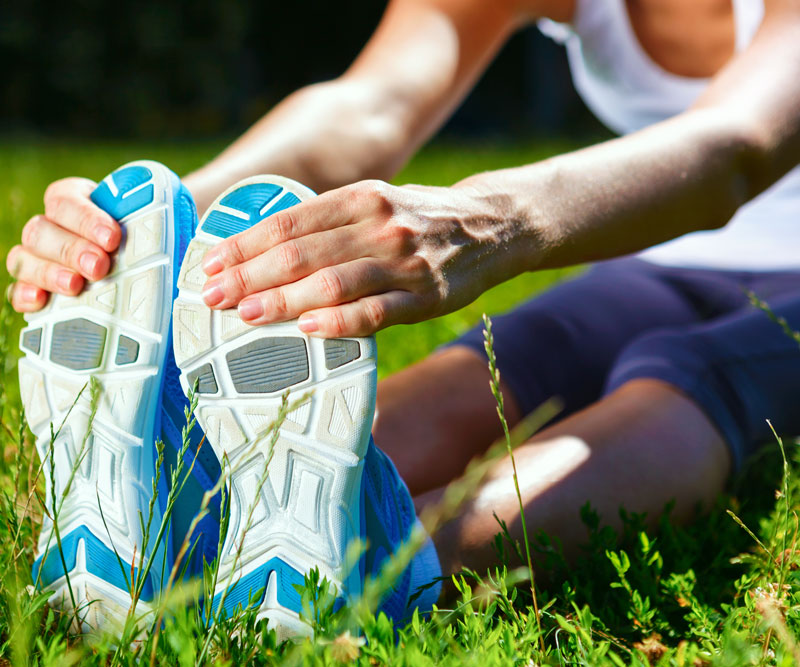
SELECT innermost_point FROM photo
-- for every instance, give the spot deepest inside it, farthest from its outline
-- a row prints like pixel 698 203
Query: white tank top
pixel 627 91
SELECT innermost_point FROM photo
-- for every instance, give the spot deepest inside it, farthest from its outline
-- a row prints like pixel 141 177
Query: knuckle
pixel 65 253
pixel 55 200
pixel 55 208
pixel 87 219
pixel 31 231
pixel 289 257
pixel 282 227
pixel 337 323
pixel 239 280
pixel 275 303
pixel 377 196
pixel 400 238
pixel 45 275
pixel 419 269
pixel 330 285
pixel 374 312
pixel 52 191
pixel 232 251
pixel 68 253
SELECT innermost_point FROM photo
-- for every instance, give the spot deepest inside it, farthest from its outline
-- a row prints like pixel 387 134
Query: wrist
pixel 520 232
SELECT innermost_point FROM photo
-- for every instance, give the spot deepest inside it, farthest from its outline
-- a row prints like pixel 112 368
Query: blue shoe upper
pixel 389 518
pixel 199 458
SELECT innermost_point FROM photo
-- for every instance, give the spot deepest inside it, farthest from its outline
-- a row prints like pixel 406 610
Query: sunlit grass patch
pixel 721 591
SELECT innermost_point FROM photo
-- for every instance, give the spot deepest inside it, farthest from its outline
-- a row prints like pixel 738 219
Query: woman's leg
pixel 435 416
pixel 639 447
pixel 683 406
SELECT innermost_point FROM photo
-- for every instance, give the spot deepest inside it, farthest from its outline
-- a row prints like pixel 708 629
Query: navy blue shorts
pixel 693 328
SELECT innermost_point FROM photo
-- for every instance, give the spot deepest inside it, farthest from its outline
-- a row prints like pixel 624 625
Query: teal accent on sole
pixel 251 588
pixel 289 199
pixel 100 561
pixel 253 202
pixel 125 202
pixel 250 201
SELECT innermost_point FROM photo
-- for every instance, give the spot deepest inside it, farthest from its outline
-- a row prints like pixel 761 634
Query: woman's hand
pixel 363 257
pixel 62 248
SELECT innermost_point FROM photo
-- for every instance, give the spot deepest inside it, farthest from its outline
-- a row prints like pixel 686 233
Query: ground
pixel 721 591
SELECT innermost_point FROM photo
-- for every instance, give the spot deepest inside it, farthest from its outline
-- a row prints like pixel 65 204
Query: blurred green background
pixel 88 86
pixel 202 68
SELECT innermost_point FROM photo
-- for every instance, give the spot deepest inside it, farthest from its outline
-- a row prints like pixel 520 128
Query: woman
pixel 666 374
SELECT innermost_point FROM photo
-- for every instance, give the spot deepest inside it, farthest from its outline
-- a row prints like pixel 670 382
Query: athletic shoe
pixel 309 508
pixel 117 331
pixel 389 518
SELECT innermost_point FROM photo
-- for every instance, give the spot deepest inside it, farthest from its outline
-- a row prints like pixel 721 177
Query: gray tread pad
pixel 339 352
pixel 32 340
pixel 78 344
pixel 206 380
pixel 268 365
pixel 127 351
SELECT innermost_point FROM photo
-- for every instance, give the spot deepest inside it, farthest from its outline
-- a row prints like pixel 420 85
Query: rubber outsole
pixel 307 511
pixel 116 331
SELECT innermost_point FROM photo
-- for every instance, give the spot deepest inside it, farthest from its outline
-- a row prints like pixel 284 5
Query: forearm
pixel 687 174
pixel 325 135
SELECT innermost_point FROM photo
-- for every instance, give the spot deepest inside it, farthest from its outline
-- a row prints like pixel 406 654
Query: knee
pixel 674 357
pixel 687 363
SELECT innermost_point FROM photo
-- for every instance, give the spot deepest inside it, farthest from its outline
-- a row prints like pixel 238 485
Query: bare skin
pixel 436 416
pixel 613 454
pixel 365 255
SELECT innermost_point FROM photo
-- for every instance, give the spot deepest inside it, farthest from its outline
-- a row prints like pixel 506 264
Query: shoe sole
pixel 116 331
pixel 307 511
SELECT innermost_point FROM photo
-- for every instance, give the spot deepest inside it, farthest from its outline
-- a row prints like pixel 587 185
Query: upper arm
pixel 758 94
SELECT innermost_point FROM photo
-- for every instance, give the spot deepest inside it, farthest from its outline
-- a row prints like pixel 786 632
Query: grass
pixel 722 591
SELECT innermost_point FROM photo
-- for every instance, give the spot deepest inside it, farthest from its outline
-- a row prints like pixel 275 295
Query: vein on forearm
pixel 687 174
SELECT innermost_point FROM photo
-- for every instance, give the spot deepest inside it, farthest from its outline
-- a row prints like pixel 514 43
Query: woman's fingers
pixel 327 287
pixel 286 263
pixel 52 242
pixel 328 211
pixel 42 273
pixel 27 298
pixel 362 317
pixel 67 203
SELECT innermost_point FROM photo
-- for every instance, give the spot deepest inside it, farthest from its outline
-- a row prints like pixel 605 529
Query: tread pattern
pixel 116 331
pixel 266 365
pixel 78 344
pixel 307 510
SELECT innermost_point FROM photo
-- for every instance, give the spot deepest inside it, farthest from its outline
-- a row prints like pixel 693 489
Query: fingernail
pixel 88 263
pixel 102 235
pixel 64 280
pixel 250 309
pixel 28 293
pixel 212 264
pixel 212 294
pixel 307 324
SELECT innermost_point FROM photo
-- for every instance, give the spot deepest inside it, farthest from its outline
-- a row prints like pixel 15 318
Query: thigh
pixel 435 416
pixel 563 343
pixel 741 369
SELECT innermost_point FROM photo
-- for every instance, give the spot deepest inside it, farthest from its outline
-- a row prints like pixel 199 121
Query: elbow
pixel 356 137
pixel 755 159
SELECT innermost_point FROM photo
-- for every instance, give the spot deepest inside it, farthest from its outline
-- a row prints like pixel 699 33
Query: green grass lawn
pixel 721 591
